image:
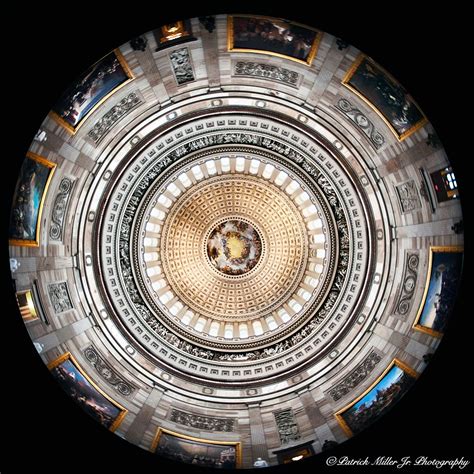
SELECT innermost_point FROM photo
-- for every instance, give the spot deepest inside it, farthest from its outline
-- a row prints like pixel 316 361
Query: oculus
pixel 234 247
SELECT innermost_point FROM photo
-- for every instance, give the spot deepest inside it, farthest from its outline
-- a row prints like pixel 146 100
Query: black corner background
pixel 45 47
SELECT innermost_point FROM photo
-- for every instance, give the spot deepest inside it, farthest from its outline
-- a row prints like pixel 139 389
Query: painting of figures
pixel 85 393
pixel 378 399
pixel 90 90
pixel 234 247
pixel 386 96
pixel 273 36
pixel 200 452
pixel 32 185
pixel 444 273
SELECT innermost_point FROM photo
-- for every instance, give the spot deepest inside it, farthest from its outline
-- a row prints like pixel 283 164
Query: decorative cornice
pixel 59 209
pixel 358 375
pixel 362 122
pixel 410 276
pixel 266 71
pixel 116 113
pixel 205 142
pixel 107 373
pixel 154 152
pixel 202 422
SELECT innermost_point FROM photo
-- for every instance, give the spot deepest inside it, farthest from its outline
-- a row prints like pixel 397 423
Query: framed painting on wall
pixel 258 34
pixel 377 399
pixel 77 384
pixel 28 199
pixel 197 451
pixel 443 276
pixel 91 89
pixel 385 95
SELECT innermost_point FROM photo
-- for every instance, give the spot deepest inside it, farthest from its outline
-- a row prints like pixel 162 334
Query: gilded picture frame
pixel 161 432
pixel 22 205
pixel 385 81
pixel 68 357
pixel 340 413
pixel 308 58
pixel 427 298
pixel 96 101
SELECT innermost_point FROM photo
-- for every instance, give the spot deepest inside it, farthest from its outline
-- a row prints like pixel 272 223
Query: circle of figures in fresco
pixel 234 247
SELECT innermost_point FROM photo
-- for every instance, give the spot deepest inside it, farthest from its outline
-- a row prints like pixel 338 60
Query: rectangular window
pixel 445 185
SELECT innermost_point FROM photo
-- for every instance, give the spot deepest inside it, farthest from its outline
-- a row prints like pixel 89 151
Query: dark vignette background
pixel 47 47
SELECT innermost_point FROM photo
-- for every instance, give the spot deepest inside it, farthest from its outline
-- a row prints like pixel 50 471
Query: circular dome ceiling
pixel 245 225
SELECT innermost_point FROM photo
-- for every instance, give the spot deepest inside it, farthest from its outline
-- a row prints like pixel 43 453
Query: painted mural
pixel 369 81
pixel 35 176
pixel 199 452
pixel 444 274
pixel 272 36
pixel 234 247
pixel 390 387
pixel 84 392
pixel 92 87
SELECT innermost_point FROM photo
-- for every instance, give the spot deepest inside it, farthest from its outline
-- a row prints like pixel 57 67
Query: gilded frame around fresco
pixel 52 167
pixel 345 83
pixel 433 249
pixel 69 356
pixel 401 365
pixel 236 444
pixel 230 40
pixel 73 130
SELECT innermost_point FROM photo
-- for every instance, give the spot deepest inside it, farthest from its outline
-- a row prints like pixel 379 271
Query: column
pixel 141 422
pixel 257 434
